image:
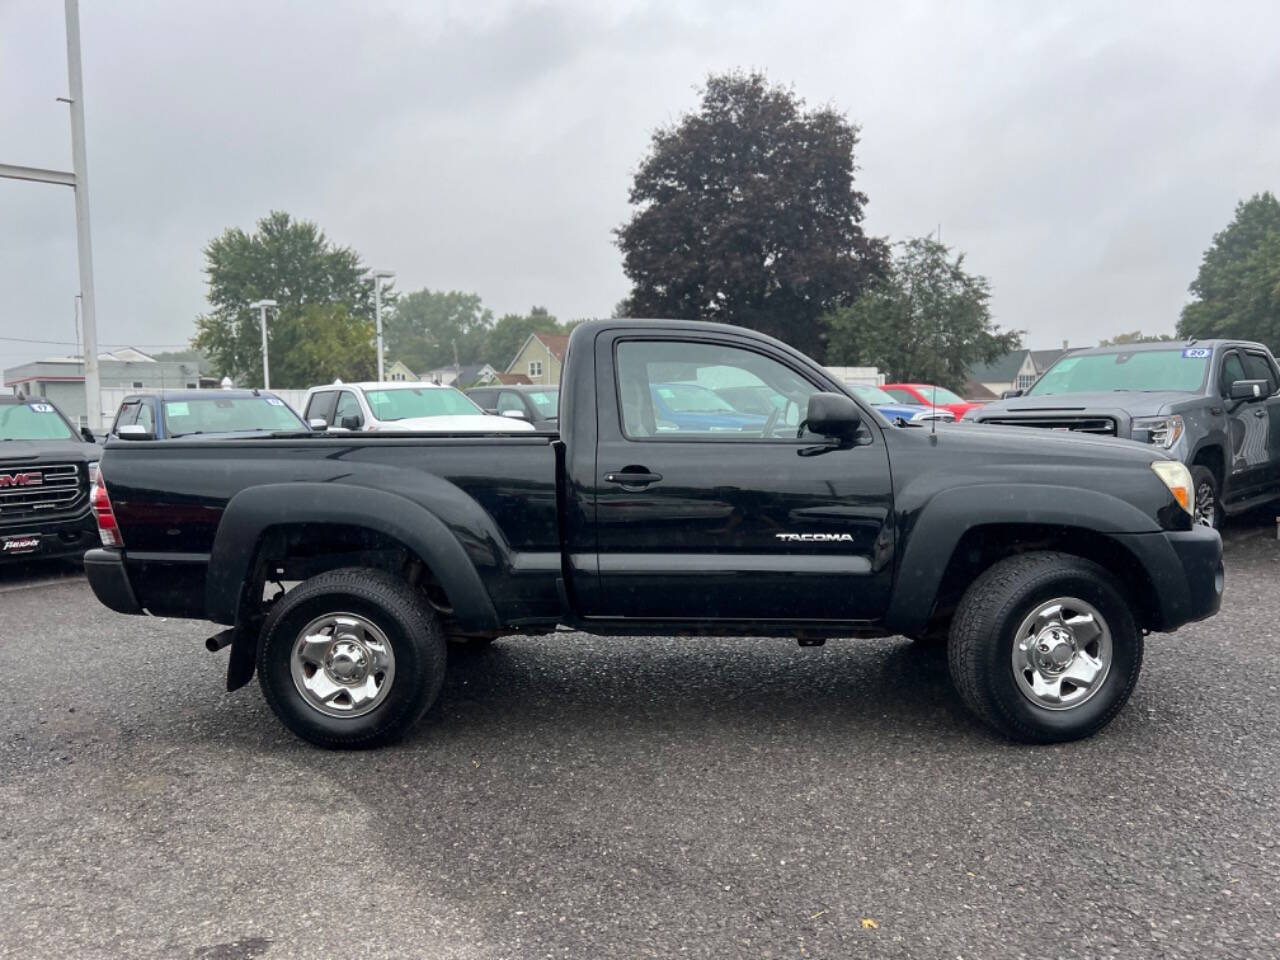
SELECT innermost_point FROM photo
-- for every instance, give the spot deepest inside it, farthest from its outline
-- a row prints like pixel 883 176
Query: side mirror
pixel 350 422
pixel 514 414
pixel 1249 390
pixel 135 431
pixel 832 415
pixel 318 423
pixel 1010 394
pixel 87 435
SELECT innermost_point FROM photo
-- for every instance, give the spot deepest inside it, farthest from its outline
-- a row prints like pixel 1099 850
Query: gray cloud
pixel 1082 156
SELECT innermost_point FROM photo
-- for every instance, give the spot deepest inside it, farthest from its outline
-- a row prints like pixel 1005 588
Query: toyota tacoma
pixel 342 565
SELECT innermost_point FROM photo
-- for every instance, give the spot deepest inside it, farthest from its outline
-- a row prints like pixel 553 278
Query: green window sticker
pixel 177 409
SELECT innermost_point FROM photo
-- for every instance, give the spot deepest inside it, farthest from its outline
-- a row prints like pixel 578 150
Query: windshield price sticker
pixel 1195 353
pixel 42 407
pixel 274 401
pixel 177 409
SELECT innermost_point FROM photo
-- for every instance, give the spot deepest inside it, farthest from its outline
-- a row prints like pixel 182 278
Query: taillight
pixel 108 529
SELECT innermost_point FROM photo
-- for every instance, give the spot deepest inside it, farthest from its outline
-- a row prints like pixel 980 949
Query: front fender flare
pixel 935 532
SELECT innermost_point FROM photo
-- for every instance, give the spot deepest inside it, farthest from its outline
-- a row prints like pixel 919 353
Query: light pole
pixel 378 277
pixel 262 305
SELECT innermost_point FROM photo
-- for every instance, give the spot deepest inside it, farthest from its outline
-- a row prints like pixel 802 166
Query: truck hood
pixel 48 450
pixel 1135 403
pixel 1010 444
pixel 465 423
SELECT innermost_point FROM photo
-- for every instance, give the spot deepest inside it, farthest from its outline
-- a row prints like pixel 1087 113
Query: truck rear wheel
pixel 351 658
pixel 1044 649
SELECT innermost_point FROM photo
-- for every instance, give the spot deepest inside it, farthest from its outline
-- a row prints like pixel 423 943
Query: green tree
pixel 746 212
pixel 1134 336
pixel 513 329
pixel 325 303
pixel 428 325
pixel 1237 290
pixel 927 321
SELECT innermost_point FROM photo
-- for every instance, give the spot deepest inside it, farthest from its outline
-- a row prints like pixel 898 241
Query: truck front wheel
pixel 351 658
pixel 1044 649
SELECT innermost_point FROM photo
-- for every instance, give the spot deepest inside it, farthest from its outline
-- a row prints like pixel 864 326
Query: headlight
pixel 1164 432
pixel 1178 479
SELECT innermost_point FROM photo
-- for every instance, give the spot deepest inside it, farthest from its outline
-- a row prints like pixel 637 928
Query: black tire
pixel 980 648
pixel 1203 478
pixel 411 627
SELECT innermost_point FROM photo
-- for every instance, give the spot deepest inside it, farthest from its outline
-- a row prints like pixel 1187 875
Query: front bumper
pixel 1186 574
pixel 107 576
pixel 63 537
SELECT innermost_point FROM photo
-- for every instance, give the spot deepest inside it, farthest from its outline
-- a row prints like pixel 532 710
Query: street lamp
pixel 261 305
pixel 378 277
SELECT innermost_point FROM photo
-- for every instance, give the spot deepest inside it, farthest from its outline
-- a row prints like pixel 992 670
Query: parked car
pixel 537 404
pixel 1046 557
pixel 46 468
pixel 929 395
pixel 1213 404
pixel 401 405
pixel 681 407
pixel 892 408
pixel 171 414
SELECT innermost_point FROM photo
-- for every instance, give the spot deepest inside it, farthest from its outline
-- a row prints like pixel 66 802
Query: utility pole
pixel 378 277
pixel 78 180
pixel 261 306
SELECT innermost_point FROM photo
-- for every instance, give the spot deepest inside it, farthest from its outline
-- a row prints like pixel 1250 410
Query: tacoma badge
pixel 815 537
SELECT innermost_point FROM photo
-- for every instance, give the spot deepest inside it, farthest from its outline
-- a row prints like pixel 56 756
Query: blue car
pixel 697 409
pixel 896 409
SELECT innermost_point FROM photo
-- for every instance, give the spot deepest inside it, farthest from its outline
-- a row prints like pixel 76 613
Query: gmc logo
pixel 33 479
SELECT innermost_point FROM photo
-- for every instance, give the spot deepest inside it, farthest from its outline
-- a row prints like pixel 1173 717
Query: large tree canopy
pixel 323 326
pixel 1237 290
pixel 427 327
pixel 926 322
pixel 747 213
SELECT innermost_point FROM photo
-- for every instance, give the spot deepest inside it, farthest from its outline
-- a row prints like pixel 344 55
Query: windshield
pixel 32 421
pixel 405 403
pixel 1176 369
pixel 547 402
pixel 873 395
pixel 691 398
pixel 219 414
pixel 935 395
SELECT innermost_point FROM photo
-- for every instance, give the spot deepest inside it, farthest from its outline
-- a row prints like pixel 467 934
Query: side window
pixel 127 415
pixel 902 396
pixel 1258 367
pixel 535 368
pixel 1232 370
pixel 320 406
pixel 484 398
pixel 680 390
pixel 147 416
pixel 509 401
pixel 348 406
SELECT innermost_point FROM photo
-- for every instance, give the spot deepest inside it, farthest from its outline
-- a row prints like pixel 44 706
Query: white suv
pixel 401 405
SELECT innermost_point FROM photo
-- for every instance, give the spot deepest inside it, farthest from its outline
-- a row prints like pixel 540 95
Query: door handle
pixel 1259 413
pixel 633 477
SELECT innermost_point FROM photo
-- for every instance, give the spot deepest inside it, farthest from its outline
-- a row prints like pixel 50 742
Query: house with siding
pixel 541 357
pixel 1016 370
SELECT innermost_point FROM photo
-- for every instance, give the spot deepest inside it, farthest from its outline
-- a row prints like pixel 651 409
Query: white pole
pixel 80 168
pixel 377 318
pixel 266 373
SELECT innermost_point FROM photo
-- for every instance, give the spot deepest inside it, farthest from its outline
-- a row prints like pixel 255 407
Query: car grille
pixel 1099 425
pixel 51 489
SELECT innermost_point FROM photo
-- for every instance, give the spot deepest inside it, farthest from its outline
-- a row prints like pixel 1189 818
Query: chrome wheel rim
pixel 1206 505
pixel 1062 653
pixel 342 665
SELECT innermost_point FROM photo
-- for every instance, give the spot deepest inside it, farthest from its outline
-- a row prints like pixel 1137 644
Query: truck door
pixel 1248 429
pixel 1259 366
pixel 719 512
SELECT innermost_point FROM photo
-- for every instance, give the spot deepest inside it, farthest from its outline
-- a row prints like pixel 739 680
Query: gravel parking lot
pixel 582 797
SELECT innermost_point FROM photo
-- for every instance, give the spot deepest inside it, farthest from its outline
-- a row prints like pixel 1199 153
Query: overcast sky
pixel 1081 154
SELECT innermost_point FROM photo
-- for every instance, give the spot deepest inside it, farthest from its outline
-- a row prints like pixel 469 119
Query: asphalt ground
pixel 581 797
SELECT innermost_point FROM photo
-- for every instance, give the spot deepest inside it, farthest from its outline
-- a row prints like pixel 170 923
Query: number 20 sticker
pixel 1196 353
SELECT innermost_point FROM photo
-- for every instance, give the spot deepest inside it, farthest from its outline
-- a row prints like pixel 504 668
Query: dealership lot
pixel 573 796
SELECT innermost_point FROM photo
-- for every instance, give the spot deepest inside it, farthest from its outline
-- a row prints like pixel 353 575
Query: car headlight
pixel 1177 478
pixel 1163 432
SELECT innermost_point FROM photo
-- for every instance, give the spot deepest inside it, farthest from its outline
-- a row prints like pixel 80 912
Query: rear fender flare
pixel 250 513
pixel 937 529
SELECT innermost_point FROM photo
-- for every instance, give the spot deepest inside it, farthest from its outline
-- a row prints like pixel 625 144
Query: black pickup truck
pixel 343 565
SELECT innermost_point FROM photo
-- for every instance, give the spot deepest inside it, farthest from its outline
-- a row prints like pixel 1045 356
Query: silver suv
pixel 1214 404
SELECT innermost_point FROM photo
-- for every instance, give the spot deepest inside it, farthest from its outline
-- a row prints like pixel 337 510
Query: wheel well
pixel 980 547
pixel 1214 459
pixel 294 552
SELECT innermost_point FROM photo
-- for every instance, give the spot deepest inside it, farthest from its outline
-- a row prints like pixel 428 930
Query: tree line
pixel 745 211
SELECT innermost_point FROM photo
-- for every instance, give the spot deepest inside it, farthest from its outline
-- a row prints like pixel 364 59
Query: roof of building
pixel 974 392
pixel 1042 360
pixel 1001 369
pixel 510 379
